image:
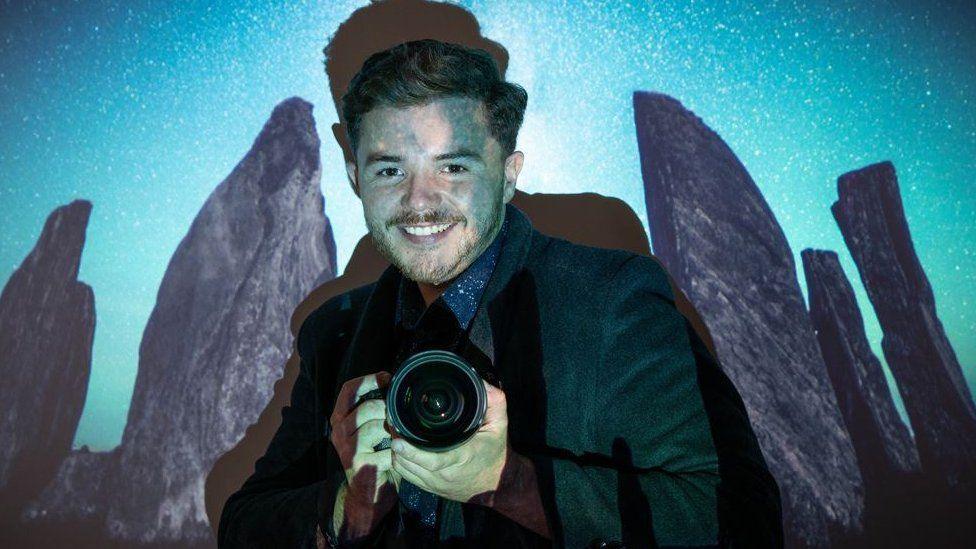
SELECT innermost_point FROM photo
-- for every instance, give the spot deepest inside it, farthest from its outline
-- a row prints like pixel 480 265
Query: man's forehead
pixel 447 125
pixel 450 104
pixel 458 112
pixel 381 154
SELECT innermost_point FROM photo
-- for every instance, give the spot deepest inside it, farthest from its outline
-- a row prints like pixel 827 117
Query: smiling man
pixel 607 418
pixel 433 182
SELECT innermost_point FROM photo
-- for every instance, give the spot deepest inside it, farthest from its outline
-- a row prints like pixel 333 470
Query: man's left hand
pixel 472 469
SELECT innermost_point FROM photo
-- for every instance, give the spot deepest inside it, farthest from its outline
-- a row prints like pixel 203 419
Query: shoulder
pixel 644 274
pixel 331 318
pixel 592 269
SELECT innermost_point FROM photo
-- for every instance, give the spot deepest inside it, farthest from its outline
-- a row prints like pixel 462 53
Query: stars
pixel 802 92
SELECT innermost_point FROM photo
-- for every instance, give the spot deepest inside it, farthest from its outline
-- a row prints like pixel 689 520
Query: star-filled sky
pixel 143 107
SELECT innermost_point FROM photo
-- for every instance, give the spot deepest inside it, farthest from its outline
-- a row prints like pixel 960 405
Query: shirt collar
pixel 461 297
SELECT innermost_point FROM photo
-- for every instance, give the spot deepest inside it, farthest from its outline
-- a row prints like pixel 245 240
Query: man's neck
pixel 430 292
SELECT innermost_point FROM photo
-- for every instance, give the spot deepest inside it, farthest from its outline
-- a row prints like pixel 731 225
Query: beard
pixel 429 268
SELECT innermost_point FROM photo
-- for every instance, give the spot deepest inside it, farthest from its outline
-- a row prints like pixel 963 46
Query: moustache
pixel 433 217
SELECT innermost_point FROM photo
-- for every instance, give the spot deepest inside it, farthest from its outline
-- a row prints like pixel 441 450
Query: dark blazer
pixel 635 433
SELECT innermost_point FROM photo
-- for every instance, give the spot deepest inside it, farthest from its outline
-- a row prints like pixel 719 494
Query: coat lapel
pixel 510 311
pixel 373 345
pixel 490 327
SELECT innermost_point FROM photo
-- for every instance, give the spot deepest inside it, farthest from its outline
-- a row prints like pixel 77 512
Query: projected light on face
pixel 431 179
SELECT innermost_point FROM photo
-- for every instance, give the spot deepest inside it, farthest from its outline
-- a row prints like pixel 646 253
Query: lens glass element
pixel 438 401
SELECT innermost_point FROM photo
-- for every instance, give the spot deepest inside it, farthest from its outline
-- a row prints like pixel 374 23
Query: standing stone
pixel 870 215
pixel 220 332
pixel 885 450
pixel 47 323
pixel 721 244
pixel 70 512
pixel 78 492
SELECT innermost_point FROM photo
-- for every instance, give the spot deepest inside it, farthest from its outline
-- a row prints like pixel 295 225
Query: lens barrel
pixel 436 400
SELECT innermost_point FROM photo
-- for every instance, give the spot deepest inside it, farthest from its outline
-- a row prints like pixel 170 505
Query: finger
pixel 399 464
pixel 369 435
pixel 381 379
pixel 497 409
pixel 354 388
pixel 382 460
pixel 413 473
pixel 372 388
pixel 431 461
pixel 367 411
pixel 370 410
pixel 395 476
pixel 346 398
pixel 370 382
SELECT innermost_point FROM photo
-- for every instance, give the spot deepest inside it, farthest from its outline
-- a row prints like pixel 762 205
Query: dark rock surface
pixel 47 323
pixel 721 244
pixel 871 217
pixel 901 509
pixel 217 339
pixel 215 343
pixel 78 493
pixel 70 512
pixel 884 447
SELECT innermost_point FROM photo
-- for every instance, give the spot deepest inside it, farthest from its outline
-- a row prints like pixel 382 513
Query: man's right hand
pixel 369 492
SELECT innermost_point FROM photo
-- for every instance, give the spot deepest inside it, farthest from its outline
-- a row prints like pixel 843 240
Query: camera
pixel 436 401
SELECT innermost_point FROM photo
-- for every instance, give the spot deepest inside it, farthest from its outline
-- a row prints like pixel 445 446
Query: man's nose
pixel 422 193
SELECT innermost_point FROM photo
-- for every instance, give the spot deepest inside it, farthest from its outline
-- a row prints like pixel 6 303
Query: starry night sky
pixel 144 107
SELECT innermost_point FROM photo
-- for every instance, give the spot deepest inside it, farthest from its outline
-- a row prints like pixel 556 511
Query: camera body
pixel 435 401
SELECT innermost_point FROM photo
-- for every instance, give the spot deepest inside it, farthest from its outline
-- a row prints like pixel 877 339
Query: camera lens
pixel 436 400
pixel 439 403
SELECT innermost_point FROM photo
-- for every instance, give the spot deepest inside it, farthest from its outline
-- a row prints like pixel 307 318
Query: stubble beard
pixel 423 267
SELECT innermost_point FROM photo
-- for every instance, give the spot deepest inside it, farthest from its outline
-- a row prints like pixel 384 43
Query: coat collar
pixel 373 348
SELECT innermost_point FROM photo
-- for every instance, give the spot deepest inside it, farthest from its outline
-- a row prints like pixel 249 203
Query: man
pixel 607 418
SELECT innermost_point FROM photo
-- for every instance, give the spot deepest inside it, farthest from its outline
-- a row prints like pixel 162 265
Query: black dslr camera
pixel 435 401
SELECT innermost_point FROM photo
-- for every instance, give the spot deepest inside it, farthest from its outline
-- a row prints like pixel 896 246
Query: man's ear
pixel 339 132
pixel 353 180
pixel 513 165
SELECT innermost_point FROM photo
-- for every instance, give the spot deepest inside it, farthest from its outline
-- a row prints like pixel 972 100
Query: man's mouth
pixel 424 230
pixel 426 233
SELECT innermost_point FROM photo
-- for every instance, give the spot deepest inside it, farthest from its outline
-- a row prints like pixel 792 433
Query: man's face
pixel 434 184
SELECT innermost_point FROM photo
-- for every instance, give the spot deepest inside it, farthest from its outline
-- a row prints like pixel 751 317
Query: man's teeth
pixel 422 231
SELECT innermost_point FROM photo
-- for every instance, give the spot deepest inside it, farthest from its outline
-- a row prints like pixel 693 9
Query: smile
pixel 427 229
pixel 426 234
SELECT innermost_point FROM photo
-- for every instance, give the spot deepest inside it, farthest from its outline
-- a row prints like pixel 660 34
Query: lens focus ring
pixel 436 400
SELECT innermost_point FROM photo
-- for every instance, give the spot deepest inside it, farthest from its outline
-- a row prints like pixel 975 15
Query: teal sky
pixel 144 107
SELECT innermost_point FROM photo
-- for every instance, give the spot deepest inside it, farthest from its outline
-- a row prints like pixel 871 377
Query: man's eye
pixel 455 168
pixel 387 172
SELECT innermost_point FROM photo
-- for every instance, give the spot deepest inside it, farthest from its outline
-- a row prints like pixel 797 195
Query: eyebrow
pixel 459 153
pixel 453 155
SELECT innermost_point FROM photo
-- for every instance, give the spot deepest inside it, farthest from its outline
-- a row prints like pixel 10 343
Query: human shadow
pixel 587 218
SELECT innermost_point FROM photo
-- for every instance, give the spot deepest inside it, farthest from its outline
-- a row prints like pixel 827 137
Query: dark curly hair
pixel 419 71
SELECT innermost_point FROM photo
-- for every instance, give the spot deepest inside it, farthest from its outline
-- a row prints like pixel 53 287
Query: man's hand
pixel 472 469
pixel 369 492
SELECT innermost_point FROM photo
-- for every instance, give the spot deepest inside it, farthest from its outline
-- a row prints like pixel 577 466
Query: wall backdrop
pixel 144 107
